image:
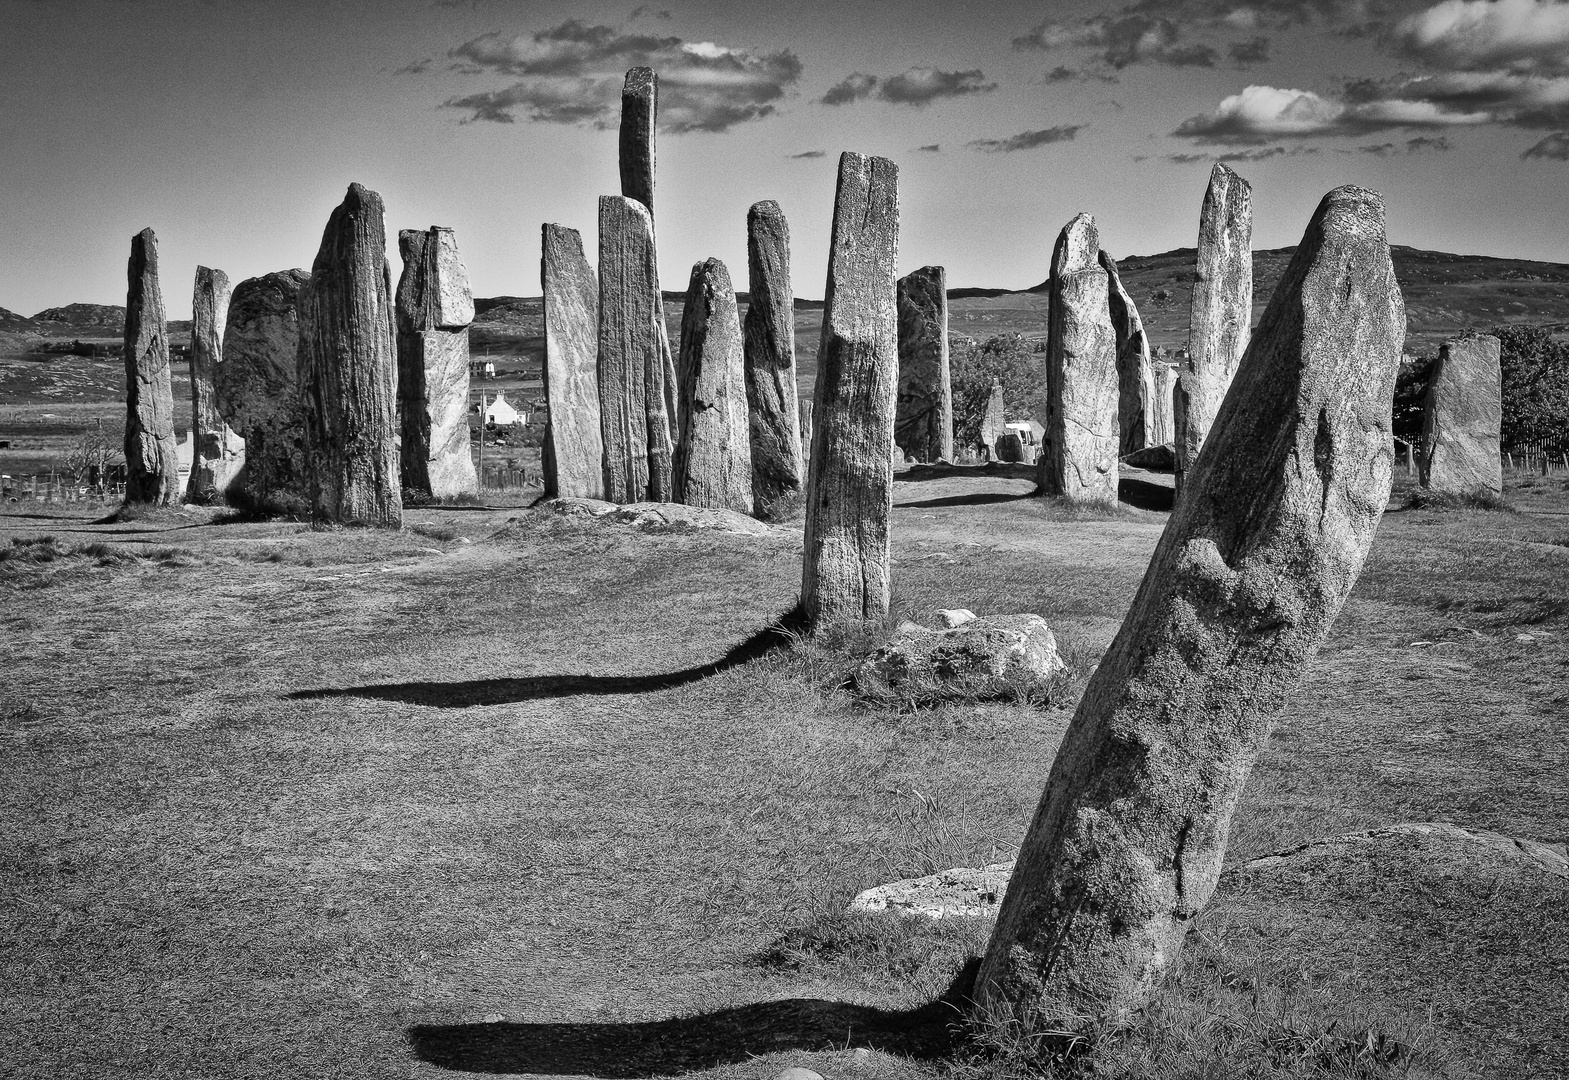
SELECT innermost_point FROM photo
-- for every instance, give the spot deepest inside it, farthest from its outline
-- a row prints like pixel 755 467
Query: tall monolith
pixel 778 472
pixel 217 452
pixel 1461 417
pixel 1255 563
pixel 1080 459
pixel 923 411
pixel 1222 307
pixel 639 117
pixel 434 305
pixel 349 370
pixel 1161 424
pixel 713 461
pixel 849 494
pixel 257 390
pixel 574 449
pixel 1135 373
pixel 994 421
pixel 634 357
pixel 152 466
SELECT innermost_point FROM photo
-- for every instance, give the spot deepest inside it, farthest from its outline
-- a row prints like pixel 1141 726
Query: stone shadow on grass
pixel 471 692
pixel 1144 494
pixel 690 1044
pixel 980 498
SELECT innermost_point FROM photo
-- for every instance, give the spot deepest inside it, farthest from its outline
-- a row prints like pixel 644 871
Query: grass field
pixel 514 793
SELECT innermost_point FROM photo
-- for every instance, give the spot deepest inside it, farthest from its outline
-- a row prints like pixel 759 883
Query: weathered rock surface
pixel 1080 459
pixel 961 893
pixel 1461 417
pixel 639 117
pixel 1553 858
pixel 1253 567
pixel 217 453
pixel 713 462
pixel 664 516
pixel 574 449
pixel 1010 448
pixel 434 305
pixel 257 388
pixel 1162 425
pixel 1135 374
pixel 349 370
pixel 985 657
pixel 993 421
pixel 923 416
pixel 773 403
pixel 1222 307
pixel 1153 458
pixel 849 493
pixel 634 357
pixel 151 459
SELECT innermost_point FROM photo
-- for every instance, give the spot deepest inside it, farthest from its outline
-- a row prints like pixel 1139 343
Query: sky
pixel 233 128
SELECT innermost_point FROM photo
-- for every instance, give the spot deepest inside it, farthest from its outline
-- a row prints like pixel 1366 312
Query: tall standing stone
pixel 713 461
pixel 434 306
pixel 1461 418
pixel 1080 462
pixel 923 413
pixel 634 355
pixel 1260 554
pixel 993 421
pixel 257 389
pixel 1222 307
pixel 151 459
pixel 1161 425
pixel 217 452
pixel 849 494
pixel 574 449
pixel 1135 374
pixel 349 370
pixel 639 115
pixel 778 471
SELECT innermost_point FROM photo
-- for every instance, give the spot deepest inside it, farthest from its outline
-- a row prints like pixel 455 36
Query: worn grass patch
pixel 1424 499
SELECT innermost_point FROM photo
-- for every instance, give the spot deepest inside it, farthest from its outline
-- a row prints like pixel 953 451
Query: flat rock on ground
pixel 963 892
pixel 655 514
pixel 977 658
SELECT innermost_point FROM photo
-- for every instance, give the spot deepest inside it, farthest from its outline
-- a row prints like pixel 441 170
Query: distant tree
pixel 1410 392
pixel 1018 362
pixel 90 456
pixel 1535 384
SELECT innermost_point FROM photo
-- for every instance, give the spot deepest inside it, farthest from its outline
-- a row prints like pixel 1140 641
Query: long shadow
pixel 1145 495
pixel 978 499
pixel 991 470
pixel 471 692
pixel 687 1044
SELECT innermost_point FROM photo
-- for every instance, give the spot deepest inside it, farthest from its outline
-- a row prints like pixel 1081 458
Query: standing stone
pixel 217 453
pixel 257 389
pixel 1222 306
pixel 713 462
pixel 1080 462
pixel 1135 374
pixel 1161 427
pixel 152 464
pixel 639 114
pixel 574 450
pixel 923 416
pixel 771 396
pixel 434 307
pixel 634 352
pixel 993 421
pixel 1461 416
pixel 849 494
pixel 1253 567
pixel 349 370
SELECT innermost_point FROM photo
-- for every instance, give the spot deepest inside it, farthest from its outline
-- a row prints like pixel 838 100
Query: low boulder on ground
pixel 1161 458
pixel 662 517
pixel 963 892
pixel 991 657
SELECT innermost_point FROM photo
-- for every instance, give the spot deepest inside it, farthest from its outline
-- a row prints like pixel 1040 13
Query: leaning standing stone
pixel 1461 417
pixel 713 462
pixel 849 493
pixel 1222 306
pixel 1135 376
pixel 151 460
pixel 633 356
pixel 923 414
pixel 1080 463
pixel 217 453
pixel 639 115
pixel 434 308
pixel 1260 554
pixel 258 389
pixel 349 370
pixel 574 449
pixel 771 395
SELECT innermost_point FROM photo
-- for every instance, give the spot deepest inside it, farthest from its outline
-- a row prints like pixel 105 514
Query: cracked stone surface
pixel 713 462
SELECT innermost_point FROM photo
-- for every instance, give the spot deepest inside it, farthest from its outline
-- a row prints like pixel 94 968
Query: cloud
pixel 1027 140
pixel 418 67
pixel 1262 113
pixel 1262 153
pixel 930 148
pixel 572 73
pixel 808 154
pixel 1520 36
pixel 1064 74
pixel 1421 144
pixel 919 86
pixel 1129 37
pixel 1250 52
pixel 1553 148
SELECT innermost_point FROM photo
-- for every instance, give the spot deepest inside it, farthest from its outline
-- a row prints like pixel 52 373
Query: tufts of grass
pixel 1481 499
pixel 873 950
pixel 1057 508
pixel 432 531
pixel 33 561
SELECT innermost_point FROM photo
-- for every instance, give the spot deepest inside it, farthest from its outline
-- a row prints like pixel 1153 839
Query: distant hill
pixel 81 315
pixel 11 322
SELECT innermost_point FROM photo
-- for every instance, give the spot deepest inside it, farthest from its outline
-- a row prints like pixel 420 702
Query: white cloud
pixel 1518 35
pixel 1261 113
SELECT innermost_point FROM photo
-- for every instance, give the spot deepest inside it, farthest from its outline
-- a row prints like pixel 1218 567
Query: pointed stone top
pixel 560 237
pixel 767 208
pixel 361 196
pixel 146 236
pixel 1229 188
pixel 1078 246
